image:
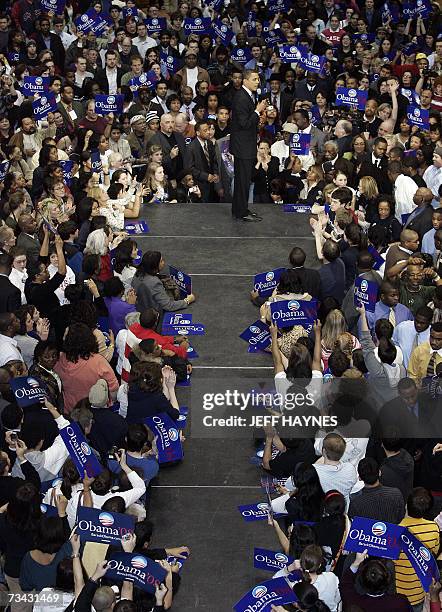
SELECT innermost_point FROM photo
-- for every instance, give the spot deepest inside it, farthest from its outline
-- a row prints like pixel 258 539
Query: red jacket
pixel 166 342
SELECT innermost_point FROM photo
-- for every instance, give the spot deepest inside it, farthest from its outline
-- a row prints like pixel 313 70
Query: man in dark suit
pixel 110 75
pixel 175 153
pixel 204 163
pixel 421 219
pixel 308 88
pixel 243 133
pixel 45 39
pixel 375 164
pixel 279 99
pixel 10 296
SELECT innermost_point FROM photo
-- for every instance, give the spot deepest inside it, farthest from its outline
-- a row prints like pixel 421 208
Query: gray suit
pixel 317 141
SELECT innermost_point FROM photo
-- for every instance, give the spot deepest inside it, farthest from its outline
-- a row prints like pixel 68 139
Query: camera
pixel 14 436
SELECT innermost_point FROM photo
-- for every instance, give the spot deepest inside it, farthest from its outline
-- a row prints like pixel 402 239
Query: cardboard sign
pixel 54 6
pixel 67 166
pixel 136 227
pixel 309 61
pixel 423 562
pixel 183 280
pixel 28 390
pixel 256 512
pixel 273 592
pixel 34 84
pixel 300 144
pixel 156 24
pixel 266 282
pixel 379 538
pixel 257 335
pixel 167 438
pixel 96 164
pixel 109 104
pixel 96 525
pixel 142 571
pixel 147 79
pixel 418 116
pixel 197 25
pixel 44 105
pixel 294 312
pixel 297 208
pixel 176 318
pixel 365 292
pixel 80 451
pixel 270 560
pixel 222 31
pixel 355 98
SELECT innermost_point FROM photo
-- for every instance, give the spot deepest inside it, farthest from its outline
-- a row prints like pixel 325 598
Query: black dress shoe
pixel 250 219
pixel 252 214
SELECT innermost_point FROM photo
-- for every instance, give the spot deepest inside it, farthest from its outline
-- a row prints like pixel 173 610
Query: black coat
pixel 10 296
pixel 101 79
pixel 244 126
pixel 57 48
pixel 201 168
pixel 422 223
pixel 367 168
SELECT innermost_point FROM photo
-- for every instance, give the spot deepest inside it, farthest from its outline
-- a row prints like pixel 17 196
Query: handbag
pixel 170 286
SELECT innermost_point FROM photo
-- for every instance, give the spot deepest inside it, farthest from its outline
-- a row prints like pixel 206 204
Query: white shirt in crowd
pixel 403 191
pixel 9 350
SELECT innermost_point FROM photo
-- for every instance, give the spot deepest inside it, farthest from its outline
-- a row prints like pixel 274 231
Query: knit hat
pixel 438 151
pixel 420 56
pixel 99 394
pixel 136 118
pixel 151 116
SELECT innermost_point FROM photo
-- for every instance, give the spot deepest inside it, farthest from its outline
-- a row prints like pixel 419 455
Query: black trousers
pixel 241 186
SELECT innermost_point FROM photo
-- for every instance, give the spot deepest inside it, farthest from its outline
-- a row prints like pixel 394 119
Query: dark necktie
pixel 275 102
pixel 432 364
pixel 206 151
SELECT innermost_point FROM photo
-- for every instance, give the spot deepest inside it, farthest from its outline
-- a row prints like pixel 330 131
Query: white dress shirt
pixel 433 178
pixel 9 350
pixel 144 44
pixel 404 190
pixel 111 76
pixel 406 337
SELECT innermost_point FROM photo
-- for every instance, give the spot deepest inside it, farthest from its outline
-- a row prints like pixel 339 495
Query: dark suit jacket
pixel 379 174
pixel 285 103
pixel 101 79
pixel 201 168
pixel 32 246
pixel 160 139
pixel 56 48
pixel 344 144
pixel 244 126
pixel 10 296
pixel 396 416
pixel 303 93
pixel 79 111
pixel 422 223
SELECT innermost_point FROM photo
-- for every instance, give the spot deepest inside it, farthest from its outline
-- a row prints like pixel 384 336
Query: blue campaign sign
pixel 240 55
pixel 356 98
pixel 169 62
pixel 420 8
pixel 377 537
pixel 251 24
pixel 182 279
pixel 378 259
pixel 423 562
pixel 4 168
pixel 44 105
pixel 56 6
pixel 257 335
pixel 197 25
pixel 131 11
pixel 147 79
pixel 96 164
pixel 34 84
pixel 167 438
pixel 177 561
pixel 310 61
pixel 365 292
pixel 418 116
pixel 215 5
pixel 191 353
pixel 28 390
pixel 411 95
pixel 90 22
pixel 297 208
pixel 136 227
pixel 264 596
pixel 255 512
pixel 67 166
pixel 366 37
pixel 176 318
pixel 270 560
pixel 13 58
pixel 80 451
pixel 48 510
pixel 222 31
pixel 300 144
pixel 96 525
pixel 278 6
pixel 265 282
pixel 142 571
pixel 271 37
pixel 109 104
pixel 155 24
pixel 194 329
pixel 294 312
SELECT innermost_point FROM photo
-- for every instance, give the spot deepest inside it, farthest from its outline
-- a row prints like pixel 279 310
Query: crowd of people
pixel 81 307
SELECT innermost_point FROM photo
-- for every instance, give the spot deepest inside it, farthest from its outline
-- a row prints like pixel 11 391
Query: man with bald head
pixel 399 254
pixel 175 153
pixel 343 133
pixel 421 219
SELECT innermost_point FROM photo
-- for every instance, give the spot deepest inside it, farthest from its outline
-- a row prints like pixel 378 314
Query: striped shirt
pixel 407 581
